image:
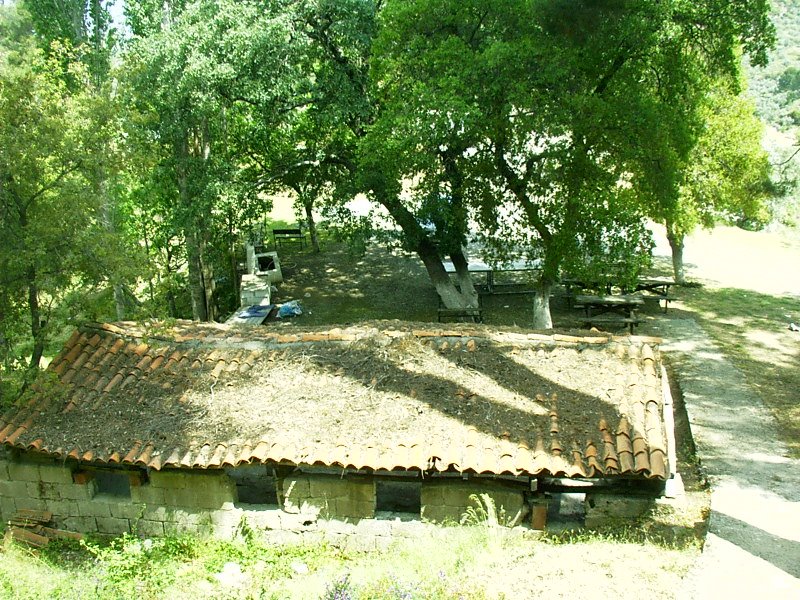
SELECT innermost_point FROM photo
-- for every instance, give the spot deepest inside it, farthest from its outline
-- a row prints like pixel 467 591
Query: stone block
pixel 147 494
pixel 282 537
pixel 374 528
pixel 209 500
pixel 33 489
pixel 49 491
pixel 78 492
pixel 3 470
pixel 347 508
pixel 148 528
pixel 328 487
pixel 23 471
pixel 226 518
pixel 55 474
pixel 30 503
pixel 337 527
pixel 126 510
pixel 441 513
pixel 79 524
pixel 94 508
pixel 167 479
pixel 361 490
pixel 63 508
pixel 448 500
pixel 14 489
pixel 113 525
pixel 605 508
pixel 264 519
pixel 300 521
pixel 8 507
pixel 292 491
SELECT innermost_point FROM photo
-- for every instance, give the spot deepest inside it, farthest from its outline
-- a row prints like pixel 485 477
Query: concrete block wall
pixel 311 506
pixel 447 500
pixel 328 496
pixel 607 508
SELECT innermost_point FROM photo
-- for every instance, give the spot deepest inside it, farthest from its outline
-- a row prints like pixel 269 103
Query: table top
pixel 611 300
pixel 656 281
pixel 479 266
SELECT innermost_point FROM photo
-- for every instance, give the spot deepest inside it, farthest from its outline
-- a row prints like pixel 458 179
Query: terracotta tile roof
pixel 468 399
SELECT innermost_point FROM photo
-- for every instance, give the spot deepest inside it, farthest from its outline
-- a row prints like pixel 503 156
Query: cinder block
pixel 14 489
pixel 113 525
pixel 79 524
pixel 49 491
pixel 295 487
pixel 76 491
pixel 347 508
pixel 94 508
pixel 55 474
pixel 328 487
pixel 23 471
pixel 63 508
pixel 362 490
pixel 148 528
pixel 30 503
pixel 127 510
pixel 33 489
pixel 269 518
pixel 441 513
pixel 167 479
pixel 147 494
pixel 7 508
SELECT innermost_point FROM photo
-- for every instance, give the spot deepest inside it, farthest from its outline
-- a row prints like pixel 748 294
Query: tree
pixel 51 241
pixel 726 177
pixel 548 110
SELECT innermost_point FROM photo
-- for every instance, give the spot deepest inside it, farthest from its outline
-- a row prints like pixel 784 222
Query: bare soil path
pixel 753 543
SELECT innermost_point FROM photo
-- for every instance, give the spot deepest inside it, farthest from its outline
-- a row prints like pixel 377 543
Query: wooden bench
pixel 473 314
pixel 611 319
pixel 291 236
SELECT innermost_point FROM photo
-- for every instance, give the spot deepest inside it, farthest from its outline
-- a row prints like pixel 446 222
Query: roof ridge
pixel 189 333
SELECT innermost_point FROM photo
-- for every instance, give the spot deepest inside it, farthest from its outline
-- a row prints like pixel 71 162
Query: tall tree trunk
pixel 542 318
pixel 469 295
pixel 308 205
pixel 676 244
pixel 197 286
pixel 35 310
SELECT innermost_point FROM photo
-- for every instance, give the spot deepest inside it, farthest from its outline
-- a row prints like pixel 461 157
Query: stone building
pixel 333 433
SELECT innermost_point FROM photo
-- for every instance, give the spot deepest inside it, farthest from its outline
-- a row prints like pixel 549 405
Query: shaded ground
pixel 733 355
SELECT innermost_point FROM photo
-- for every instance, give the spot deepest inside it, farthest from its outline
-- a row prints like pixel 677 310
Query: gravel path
pixel 753 544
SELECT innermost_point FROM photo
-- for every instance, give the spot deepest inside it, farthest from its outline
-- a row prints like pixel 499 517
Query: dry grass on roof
pixel 373 391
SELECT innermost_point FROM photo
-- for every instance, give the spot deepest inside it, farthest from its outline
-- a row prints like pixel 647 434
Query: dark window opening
pixel 255 484
pixel 398 496
pixel 266 263
pixel 113 483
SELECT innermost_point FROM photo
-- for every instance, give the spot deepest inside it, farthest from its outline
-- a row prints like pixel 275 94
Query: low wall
pixel 338 509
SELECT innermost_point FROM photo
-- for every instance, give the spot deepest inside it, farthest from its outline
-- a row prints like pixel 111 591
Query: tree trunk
pixel 36 319
pixel 308 205
pixel 541 306
pixel 196 281
pixel 676 243
pixel 464 282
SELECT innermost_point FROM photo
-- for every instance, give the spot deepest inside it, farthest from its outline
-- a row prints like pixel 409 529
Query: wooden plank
pixel 26 518
pixel 27 536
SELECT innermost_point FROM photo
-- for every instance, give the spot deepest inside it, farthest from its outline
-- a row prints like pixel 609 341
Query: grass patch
pixel 752 330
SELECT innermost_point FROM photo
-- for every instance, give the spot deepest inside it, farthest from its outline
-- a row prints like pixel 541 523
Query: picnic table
pixel 479 266
pixel 618 308
pixel 659 286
